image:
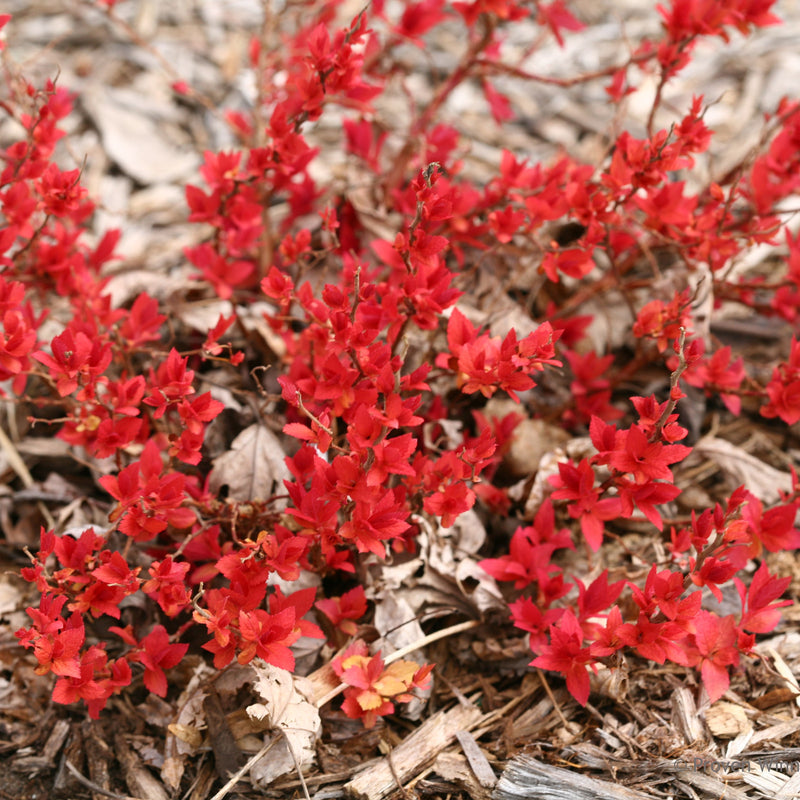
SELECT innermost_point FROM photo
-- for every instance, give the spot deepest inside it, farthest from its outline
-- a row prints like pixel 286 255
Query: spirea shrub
pixel 384 370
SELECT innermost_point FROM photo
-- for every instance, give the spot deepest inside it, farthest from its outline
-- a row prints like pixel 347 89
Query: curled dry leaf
pixel 253 468
pixel 785 671
pixel 470 533
pixel 611 683
pixel 758 477
pixel 449 580
pixel 292 719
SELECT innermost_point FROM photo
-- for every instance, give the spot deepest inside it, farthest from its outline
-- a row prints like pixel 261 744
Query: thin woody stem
pixel 673 388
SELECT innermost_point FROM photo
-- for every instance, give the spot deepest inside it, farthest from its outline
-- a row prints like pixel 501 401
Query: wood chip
pixel 65 784
pixel 455 768
pixel 791 788
pixel 99 756
pixel 768 781
pixel 713 786
pixel 727 720
pixel 140 781
pixel 775 733
pixel 477 759
pixel 684 715
pixel 414 754
pixel 527 778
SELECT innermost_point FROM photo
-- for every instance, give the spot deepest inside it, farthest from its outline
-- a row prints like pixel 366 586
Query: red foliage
pixel 384 378
pixel 372 687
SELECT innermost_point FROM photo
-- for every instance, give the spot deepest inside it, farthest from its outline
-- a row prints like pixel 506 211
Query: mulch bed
pixel 492 728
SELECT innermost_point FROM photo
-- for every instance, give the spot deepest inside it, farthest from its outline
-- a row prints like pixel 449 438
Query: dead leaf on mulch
pixel 203 315
pixel 253 468
pixel 764 481
pixel 253 319
pixel 444 575
pixel 576 449
pixel 291 718
pixel 531 441
pixel 133 139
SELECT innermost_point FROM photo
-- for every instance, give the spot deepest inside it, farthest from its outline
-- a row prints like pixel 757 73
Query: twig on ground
pixel 89 784
pixel 235 778
pixel 296 762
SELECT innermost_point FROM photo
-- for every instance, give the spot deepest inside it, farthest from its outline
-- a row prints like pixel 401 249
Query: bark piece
pixel 55 740
pixel 45 759
pixel 774 697
pixel 455 768
pixel 139 780
pixel 205 780
pixel 477 760
pixel 684 716
pixel 74 750
pixel 98 756
pixel 527 778
pixel 415 753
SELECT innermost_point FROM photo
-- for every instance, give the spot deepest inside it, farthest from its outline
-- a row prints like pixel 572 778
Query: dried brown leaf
pixel 134 141
pixel 764 481
pixel 293 719
pixel 253 468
